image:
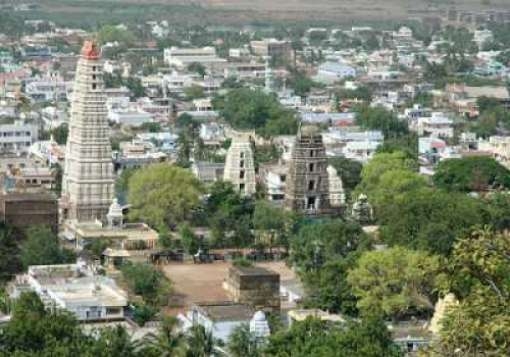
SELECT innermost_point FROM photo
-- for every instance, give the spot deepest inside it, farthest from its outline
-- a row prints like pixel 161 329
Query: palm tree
pixel 242 343
pixel 201 342
pixel 168 342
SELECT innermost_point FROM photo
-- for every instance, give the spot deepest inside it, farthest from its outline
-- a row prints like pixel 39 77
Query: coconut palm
pixel 168 342
pixel 201 342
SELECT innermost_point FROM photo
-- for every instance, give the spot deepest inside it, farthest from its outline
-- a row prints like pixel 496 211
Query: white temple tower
pixel 88 181
pixel 336 188
pixel 240 166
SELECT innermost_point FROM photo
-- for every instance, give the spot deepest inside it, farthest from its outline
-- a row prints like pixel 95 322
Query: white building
pixel 75 288
pixel 130 117
pixel 182 57
pixel 330 72
pixel 221 319
pixel 481 37
pixel 17 137
pixel 49 89
pixel 438 125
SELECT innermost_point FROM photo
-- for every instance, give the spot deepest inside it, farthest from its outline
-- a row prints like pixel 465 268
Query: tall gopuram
pixel 240 166
pixel 307 189
pixel 88 181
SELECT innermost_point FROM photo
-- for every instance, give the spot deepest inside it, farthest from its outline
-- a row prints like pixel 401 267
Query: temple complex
pixel 240 166
pixel 307 189
pixel 88 181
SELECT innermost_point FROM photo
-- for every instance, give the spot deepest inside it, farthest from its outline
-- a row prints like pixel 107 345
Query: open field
pixel 204 282
pixel 242 12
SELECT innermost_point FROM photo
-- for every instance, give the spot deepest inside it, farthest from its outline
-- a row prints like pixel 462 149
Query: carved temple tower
pixel 88 181
pixel 240 166
pixel 307 189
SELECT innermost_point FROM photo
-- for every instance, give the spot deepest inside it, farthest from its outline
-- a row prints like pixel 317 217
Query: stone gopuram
pixel 307 189
pixel 88 181
pixel 240 167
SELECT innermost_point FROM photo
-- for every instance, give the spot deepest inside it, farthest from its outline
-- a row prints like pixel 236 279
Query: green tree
pixel 60 134
pixel 33 329
pixel 197 68
pixel 229 214
pixel 188 239
pixel 396 281
pixel 272 223
pixel 322 253
pixel 480 323
pixel 41 247
pixel 168 342
pixel 253 109
pixel 316 243
pixel 381 119
pixel 194 92
pixel 313 337
pixel 429 219
pixel 163 195
pixel 471 174
pixel 10 263
pixel 201 342
pixel 381 164
pixel 242 343
pixel 145 280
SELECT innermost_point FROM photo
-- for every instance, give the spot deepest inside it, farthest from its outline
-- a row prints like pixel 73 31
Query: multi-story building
pixel 183 57
pixel 88 182
pixel 271 48
pixel 17 137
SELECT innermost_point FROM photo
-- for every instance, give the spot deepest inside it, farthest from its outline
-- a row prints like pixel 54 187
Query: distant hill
pixel 235 12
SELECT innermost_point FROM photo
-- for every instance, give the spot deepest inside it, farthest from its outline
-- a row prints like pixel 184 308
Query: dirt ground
pixel 204 282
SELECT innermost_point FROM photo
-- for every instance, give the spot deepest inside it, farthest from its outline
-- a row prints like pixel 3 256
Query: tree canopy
pixel 395 282
pixel 480 323
pixel 469 174
pixel 313 337
pixel 163 194
pixel 246 108
pixel 41 247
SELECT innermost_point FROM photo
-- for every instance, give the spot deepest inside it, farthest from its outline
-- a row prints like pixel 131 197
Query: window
pixel 311 167
pixel 241 187
pixel 241 174
pixel 312 153
pixel 94 77
pixel 94 85
pixel 241 155
pixel 113 310
pixel 241 164
pixel 283 178
pixel 311 185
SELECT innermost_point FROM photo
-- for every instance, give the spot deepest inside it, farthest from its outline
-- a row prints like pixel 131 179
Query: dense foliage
pixel 163 195
pixel 471 174
pixel 403 285
pixel 479 324
pixel 147 281
pixel 41 247
pixel 322 253
pixel 253 109
pixel 368 338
